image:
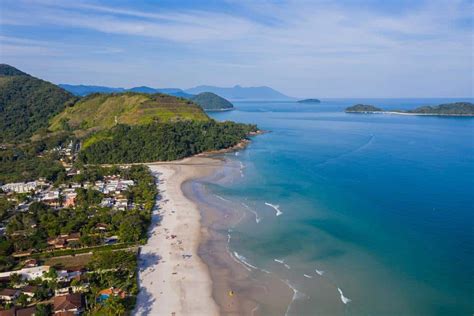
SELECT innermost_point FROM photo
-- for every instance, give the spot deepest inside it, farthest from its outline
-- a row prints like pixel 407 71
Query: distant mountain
pixel 84 90
pixel 309 101
pixel 212 102
pixel 27 103
pixel 242 93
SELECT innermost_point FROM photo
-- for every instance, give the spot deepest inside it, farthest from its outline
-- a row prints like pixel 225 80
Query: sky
pixel 314 48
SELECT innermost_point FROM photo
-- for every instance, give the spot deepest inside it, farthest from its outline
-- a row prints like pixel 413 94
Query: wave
pixel 308 276
pixel 296 295
pixel 320 272
pixel 244 262
pixel 344 299
pixel 275 207
pixel 242 167
pixel 257 218
pixel 283 263
pixel 236 153
pixel 221 198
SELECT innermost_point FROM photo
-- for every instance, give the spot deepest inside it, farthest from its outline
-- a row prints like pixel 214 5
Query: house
pixel 30 263
pixel 29 290
pixel 8 295
pixel 70 304
pixel 70 200
pixel 28 311
pixel 20 187
pixel 51 198
pixel 101 227
pixel 27 273
pixel 106 293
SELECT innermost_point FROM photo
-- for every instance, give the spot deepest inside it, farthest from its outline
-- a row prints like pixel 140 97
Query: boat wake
pixel 275 207
pixel 350 152
pixel 257 218
pixel 344 299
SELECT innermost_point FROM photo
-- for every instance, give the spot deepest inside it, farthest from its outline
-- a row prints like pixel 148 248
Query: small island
pixel 363 108
pixel 309 101
pixel 448 109
pixel 212 102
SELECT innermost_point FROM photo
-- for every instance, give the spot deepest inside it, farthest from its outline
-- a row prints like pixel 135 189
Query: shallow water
pixel 359 214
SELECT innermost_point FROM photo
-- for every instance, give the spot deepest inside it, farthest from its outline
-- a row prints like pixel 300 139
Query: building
pixel 29 290
pixel 70 200
pixel 9 295
pixel 27 273
pixel 70 304
pixel 20 187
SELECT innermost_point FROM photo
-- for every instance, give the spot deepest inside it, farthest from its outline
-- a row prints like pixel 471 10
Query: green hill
pixel 27 103
pixel 362 108
pixel 103 111
pixel 212 102
pixel 457 108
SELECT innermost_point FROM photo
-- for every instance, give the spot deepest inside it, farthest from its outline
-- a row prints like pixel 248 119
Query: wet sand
pixel 237 288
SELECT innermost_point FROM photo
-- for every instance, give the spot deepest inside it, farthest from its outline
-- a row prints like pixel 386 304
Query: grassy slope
pixel 102 111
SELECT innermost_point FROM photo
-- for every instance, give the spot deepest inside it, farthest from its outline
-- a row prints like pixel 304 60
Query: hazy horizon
pixel 322 49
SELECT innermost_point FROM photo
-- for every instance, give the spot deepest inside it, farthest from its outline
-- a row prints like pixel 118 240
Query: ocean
pixel 360 214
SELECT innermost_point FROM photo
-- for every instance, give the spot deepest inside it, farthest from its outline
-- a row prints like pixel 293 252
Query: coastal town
pixel 69 246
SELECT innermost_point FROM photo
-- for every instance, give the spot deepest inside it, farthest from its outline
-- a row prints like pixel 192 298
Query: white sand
pixel 171 284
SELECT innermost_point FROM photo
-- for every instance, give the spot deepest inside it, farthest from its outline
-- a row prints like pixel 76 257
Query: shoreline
pixel 172 278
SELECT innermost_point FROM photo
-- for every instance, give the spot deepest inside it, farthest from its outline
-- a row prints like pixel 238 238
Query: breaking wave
pixel 257 218
pixel 344 299
pixel 275 207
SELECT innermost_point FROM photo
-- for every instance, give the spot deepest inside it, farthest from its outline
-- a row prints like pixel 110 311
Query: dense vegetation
pixel 212 102
pixel 309 101
pixel 457 108
pixel 363 108
pixel 32 160
pixel 101 111
pixel 168 141
pixel 27 103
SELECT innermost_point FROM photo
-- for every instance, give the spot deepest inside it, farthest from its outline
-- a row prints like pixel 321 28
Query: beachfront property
pixel 70 304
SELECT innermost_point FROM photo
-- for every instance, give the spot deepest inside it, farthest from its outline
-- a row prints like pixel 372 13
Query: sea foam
pixel 244 261
pixel 320 272
pixel 344 299
pixel 257 218
pixel 275 207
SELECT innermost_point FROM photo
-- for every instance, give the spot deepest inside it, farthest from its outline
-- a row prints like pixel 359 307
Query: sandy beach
pixel 173 280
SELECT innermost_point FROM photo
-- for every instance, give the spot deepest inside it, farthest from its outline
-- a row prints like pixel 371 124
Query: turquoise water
pixel 383 204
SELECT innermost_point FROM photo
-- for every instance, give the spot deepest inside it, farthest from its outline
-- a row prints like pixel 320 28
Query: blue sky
pixel 302 48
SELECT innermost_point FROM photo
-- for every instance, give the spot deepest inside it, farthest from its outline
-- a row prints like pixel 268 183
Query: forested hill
pixel 27 103
pixel 212 102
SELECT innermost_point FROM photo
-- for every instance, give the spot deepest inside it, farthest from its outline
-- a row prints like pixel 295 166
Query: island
pixel 212 102
pixel 448 109
pixel 309 101
pixel 363 108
